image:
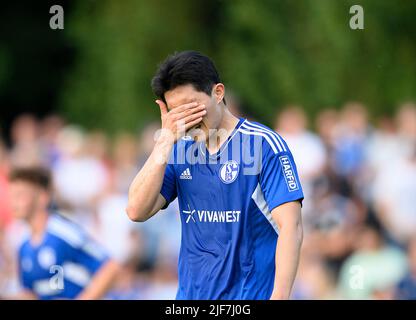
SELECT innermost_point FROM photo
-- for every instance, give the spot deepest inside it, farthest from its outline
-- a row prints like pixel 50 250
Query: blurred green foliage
pixel 269 52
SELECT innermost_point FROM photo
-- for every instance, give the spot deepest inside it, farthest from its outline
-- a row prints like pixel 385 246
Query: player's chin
pixel 197 133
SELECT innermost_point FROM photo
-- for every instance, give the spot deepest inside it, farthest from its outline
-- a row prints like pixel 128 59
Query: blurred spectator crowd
pixel 359 213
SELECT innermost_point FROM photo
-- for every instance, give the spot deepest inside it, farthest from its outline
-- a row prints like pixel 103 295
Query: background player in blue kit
pixel 59 260
pixel 237 186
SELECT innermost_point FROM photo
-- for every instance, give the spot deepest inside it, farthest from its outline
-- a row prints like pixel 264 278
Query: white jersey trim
pixel 261 134
pixel 276 138
pixel 261 203
pixel 66 231
pixel 76 273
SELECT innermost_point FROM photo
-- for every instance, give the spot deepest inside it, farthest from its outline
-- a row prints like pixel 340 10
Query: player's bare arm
pixel 289 221
pixel 144 198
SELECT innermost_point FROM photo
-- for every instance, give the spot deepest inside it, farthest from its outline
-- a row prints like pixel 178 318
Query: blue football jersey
pixel 63 263
pixel 229 238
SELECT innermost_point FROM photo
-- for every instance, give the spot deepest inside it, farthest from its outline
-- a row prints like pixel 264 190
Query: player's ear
pixel 218 91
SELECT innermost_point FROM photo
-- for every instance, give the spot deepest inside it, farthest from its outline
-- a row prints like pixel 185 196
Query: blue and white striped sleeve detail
pixel 81 248
pixel 274 140
pixel 278 179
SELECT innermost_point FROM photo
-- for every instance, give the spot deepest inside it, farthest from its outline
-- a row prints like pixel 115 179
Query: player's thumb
pixel 162 106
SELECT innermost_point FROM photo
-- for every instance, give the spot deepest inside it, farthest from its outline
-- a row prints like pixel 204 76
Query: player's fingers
pixel 192 123
pixel 190 111
pixel 184 107
pixel 194 116
pixel 162 106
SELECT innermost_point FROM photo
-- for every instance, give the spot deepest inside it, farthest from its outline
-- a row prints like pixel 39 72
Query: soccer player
pixel 236 183
pixel 59 260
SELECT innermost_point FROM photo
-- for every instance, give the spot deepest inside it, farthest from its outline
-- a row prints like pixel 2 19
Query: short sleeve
pixel 89 254
pixel 168 190
pixel 279 178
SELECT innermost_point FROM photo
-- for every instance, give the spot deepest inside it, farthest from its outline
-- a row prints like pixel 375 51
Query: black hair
pixel 185 67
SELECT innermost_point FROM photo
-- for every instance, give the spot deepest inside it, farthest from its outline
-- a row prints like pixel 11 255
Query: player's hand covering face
pixel 191 112
pixel 181 116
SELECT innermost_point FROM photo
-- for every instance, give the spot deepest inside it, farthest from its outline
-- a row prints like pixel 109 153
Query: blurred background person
pixel 374 269
pixel 81 175
pixel 58 260
pixel 307 148
pixel 394 195
pixel 26 150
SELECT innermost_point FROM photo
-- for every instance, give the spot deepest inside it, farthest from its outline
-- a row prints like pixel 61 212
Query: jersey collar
pixel 204 149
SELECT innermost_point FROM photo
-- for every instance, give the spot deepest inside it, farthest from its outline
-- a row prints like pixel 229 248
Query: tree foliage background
pixel 269 52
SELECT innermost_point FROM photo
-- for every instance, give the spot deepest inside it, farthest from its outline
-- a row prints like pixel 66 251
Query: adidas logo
pixel 186 174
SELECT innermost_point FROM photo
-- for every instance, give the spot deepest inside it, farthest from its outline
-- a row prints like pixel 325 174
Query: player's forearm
pixel 145 188
pixel 287 259
pixel 101 283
